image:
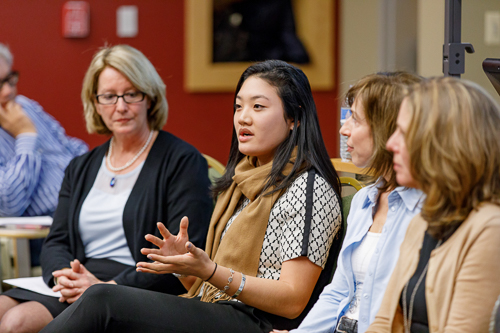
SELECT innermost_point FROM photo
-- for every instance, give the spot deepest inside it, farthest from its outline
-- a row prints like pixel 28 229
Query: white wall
pixel 376 35
pixel 473 32
pixel 359 33
pixel 430 37
pixel 381 35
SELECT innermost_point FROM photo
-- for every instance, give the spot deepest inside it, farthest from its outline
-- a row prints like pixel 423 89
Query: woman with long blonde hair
pixel 447 144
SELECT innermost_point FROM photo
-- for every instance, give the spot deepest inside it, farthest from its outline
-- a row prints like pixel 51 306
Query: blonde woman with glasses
pixel 114 195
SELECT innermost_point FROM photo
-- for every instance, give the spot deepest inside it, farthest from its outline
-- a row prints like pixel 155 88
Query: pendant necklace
pixel 129 163
pixel 408 313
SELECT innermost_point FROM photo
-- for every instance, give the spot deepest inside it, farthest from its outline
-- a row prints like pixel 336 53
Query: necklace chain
pixel 129 163
pixel 408 313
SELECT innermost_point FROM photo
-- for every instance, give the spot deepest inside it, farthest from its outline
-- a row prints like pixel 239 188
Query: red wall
pixel 52 69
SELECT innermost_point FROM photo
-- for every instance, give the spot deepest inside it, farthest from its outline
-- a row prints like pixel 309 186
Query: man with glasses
pixel 34 150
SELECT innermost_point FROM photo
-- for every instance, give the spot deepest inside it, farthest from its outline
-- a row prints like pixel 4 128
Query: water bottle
pixel 344 154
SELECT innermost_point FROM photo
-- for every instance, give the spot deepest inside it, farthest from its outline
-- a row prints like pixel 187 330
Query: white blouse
pixel 360 261
pixel 101 216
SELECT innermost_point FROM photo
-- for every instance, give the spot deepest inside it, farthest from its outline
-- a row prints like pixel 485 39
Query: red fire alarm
pixel 76 19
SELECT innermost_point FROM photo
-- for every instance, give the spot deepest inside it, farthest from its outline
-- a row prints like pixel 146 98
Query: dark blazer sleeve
pixel 173 183
pixel 189 195
pixel 57 251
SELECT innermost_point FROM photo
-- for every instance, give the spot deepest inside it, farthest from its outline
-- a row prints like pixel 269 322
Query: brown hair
pixel 381 95
pixel 453 141
pixel 138 70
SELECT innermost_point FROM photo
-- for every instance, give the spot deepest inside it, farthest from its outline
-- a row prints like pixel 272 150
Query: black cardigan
pixel 172 183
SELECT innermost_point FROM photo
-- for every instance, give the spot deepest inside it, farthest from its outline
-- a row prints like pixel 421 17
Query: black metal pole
pixel 453 48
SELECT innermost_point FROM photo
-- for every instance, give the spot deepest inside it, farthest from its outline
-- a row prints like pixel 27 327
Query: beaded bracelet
pixel 242 285
pixel 229 280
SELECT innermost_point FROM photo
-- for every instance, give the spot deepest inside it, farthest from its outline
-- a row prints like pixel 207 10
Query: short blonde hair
pixel 453 142
pixel 381 95
pixel 138 70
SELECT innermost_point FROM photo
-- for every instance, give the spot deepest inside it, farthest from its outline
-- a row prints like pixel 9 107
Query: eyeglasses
pixel 11 79
pixel 129 98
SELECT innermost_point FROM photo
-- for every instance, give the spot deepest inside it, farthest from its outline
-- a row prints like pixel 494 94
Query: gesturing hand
pixel 175 254
pixel 170 245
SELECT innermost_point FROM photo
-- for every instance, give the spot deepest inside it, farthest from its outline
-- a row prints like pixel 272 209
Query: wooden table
pixel 21 237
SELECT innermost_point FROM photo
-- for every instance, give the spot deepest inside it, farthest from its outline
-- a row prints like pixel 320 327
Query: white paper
pixel 32 220
pixel 35 284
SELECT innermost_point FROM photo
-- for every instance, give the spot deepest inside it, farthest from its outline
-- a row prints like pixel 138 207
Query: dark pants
pixel 110 308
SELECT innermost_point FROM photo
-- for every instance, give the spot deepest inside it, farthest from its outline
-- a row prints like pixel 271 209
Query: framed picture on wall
pixel 223 37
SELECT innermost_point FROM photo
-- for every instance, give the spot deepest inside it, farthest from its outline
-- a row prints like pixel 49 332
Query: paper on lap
pixel 34 284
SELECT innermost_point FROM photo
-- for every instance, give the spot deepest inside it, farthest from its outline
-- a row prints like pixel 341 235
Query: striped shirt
pixel 32 165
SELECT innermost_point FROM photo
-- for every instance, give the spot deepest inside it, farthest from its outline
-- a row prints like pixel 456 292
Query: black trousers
pixel 111 308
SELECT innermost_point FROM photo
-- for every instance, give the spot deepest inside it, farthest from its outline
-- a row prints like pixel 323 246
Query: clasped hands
pixel 175 254
pixel 72 282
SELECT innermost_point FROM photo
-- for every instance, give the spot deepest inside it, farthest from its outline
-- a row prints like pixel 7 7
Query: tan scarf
pixel 242 244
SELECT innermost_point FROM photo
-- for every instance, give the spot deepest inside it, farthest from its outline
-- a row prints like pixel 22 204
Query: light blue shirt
pixel 334 301
pixel 32 165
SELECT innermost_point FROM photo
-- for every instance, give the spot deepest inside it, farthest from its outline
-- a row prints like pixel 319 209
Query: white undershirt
pixel 101 217
pixel 360 261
